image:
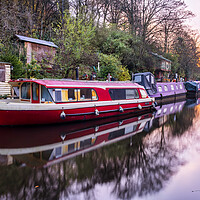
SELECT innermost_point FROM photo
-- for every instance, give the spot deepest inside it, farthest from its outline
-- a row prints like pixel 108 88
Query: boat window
pixel 94 95
pixel 181 87
pixel 132 94
pixel 45 96
pixel 177 87
pixel 152 80
pixel 86 143
pixel 25 91
pixel 72 94
pixel 143 94
pixel 65 95
pixel 58 95
pixel 165 110
pixel 165 88
pixel 159 88
pixel 85 94
pixel 172 87
pixel 148 78
pixel 35 91
pixel 138 79
pixel 119 94
pixel 71 147
pixel 16 91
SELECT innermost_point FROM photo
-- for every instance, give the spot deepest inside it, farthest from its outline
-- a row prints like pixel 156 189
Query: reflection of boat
pixel 167 109
pixel 161 91
pixel 58 101
pixel 192 102
pixel 163 111
pixel 55 143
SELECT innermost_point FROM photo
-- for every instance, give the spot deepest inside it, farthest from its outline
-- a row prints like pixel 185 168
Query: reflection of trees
pixel 181 121
pixel 133 170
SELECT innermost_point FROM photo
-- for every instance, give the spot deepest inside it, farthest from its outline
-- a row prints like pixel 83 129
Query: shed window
pixel 25 91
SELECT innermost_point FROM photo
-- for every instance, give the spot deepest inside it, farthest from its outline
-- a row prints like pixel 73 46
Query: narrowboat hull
pixel 30 114
pixel 163 92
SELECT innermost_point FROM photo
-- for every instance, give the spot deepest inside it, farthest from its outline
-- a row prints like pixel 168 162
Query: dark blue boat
pixel 193 88
pixel 161 91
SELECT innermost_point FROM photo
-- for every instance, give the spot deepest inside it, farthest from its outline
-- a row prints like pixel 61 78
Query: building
pixel 5 75
pixel 162 68
pixel 36 49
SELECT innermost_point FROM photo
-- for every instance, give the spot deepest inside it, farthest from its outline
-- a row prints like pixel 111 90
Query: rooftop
pixel 161 57
pixel 37 41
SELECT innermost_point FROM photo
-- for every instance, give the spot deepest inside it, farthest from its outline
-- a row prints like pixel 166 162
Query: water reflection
pixel 131 157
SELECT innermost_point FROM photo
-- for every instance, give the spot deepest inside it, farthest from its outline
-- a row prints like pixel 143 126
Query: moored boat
pixel 59 101
pixel 161 91
pixel 193 88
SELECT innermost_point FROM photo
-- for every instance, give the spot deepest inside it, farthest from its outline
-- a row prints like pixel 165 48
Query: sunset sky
pixel 194 6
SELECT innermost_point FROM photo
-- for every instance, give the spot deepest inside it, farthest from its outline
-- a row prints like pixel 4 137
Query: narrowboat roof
pixel 76 83
pixel 142 73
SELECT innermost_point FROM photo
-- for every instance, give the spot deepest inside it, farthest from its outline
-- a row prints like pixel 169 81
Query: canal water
pixel 152 156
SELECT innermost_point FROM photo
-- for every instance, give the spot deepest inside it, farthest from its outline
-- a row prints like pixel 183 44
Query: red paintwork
pixel 25 117
pixel 33 136
pixel 53 116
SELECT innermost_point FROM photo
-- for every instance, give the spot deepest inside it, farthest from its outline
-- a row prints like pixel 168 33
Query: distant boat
pixel 161 91
pixel 59 101
pixel 192 87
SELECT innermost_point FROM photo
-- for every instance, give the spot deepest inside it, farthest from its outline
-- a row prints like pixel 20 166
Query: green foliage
pixel 74 37
pixel 33 70
pixel 111 64
pixel 123 74
pixel 9 55
pixel 128 48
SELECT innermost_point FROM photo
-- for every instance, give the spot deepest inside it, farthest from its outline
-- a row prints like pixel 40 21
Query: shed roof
pixel 37 41
pixel 161 57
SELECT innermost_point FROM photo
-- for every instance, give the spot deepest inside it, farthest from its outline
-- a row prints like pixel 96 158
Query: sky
pixel 194 6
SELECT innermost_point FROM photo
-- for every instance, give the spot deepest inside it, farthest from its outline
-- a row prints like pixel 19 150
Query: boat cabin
pixel 57 91
pixel 147 80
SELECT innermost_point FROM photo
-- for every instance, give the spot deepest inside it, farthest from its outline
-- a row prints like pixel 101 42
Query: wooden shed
pixel 5 75
pixel 36 49
pixel 163 66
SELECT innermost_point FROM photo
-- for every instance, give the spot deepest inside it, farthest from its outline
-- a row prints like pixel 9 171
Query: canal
pixel 140 157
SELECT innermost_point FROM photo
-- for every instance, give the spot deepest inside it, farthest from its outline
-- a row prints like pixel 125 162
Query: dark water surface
pixel 154 156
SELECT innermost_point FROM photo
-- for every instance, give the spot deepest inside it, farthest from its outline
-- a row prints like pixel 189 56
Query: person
pixel 176 76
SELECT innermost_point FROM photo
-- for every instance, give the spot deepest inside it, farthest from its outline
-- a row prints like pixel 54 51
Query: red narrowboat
pixel 59 101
